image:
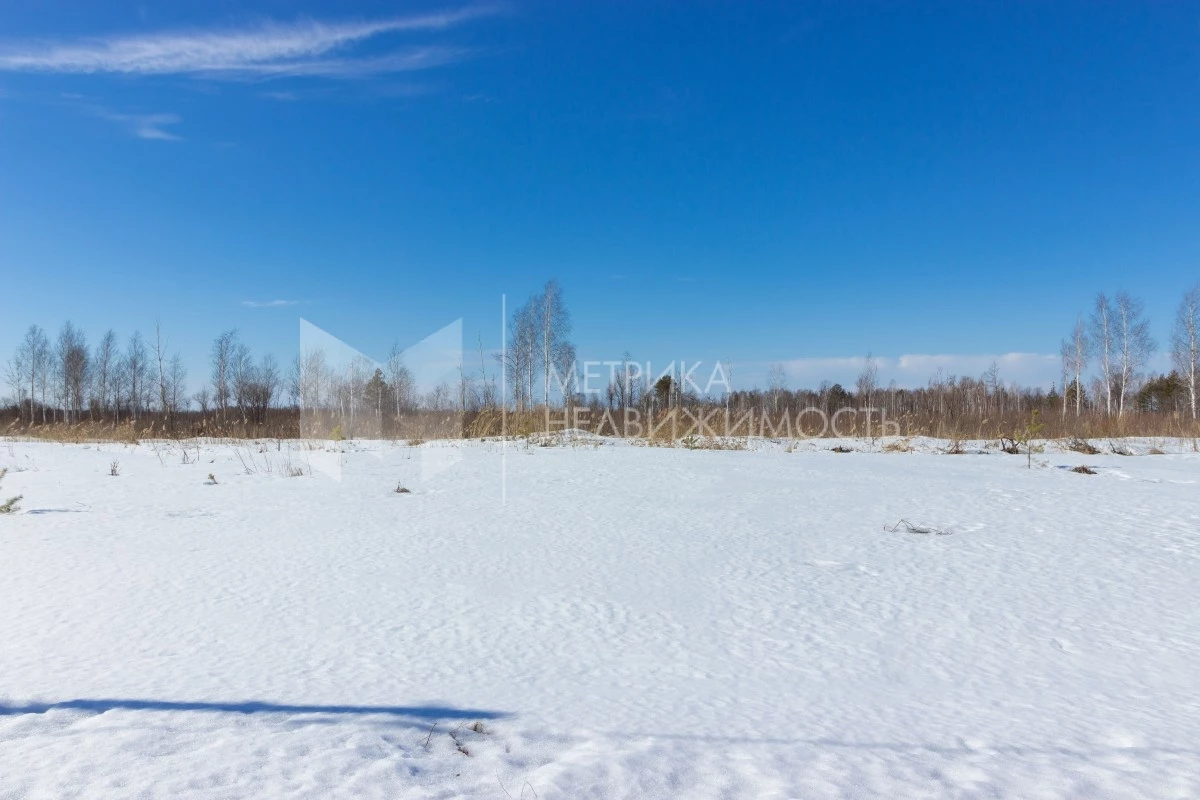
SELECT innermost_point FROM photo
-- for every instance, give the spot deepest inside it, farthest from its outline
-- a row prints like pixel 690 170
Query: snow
pixel 595 619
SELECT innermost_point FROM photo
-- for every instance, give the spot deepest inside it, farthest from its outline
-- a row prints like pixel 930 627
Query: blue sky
pixel 799 182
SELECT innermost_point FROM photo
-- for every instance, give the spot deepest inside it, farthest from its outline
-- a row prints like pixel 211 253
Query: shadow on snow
pixel 100 705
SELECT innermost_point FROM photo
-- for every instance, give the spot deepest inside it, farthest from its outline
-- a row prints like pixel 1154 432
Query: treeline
pixel 1115 343
pixel 1105 387
pixel 65 381
pixel 141 385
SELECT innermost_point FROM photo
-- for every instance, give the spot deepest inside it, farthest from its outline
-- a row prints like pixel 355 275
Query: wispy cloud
pixel 141 125
pixel 362 90
pixel 269 50
pixel 916 369
pixel 269 303
pixel 144 126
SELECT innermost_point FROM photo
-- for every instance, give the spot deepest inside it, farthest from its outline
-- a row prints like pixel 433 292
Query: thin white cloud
pixel 916 369
pixel 150 127
pixel 408 60
pixel 304 48
pixel 143 126
pixel 269 303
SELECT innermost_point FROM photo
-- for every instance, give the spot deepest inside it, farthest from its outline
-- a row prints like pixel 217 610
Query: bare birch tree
pixel 28 363
pixel 522 352
pixel 1103 337
pixel 565 373
pixel 358 373
pixel 487 383
pixel 1185 343
pixel 1135 345
pixel 1075 355
pixel 177 384
pixel 529 328
pixel 71 361
pixel 1064 349
pixel 260 388
pixel 17 374
pixel 36 351
pixel 991 388
pixel 160 361
pixel 400 379
pixel 555 324
pixel 104 364
pixel 312 379
pixel 865 384
pixel 222 369
pixel 136 367
pixel 241 374
pixel 776 384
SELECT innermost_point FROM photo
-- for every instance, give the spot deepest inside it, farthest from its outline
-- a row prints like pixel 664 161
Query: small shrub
pixel 402 490
pixel 337 434
pixel 841 448
pixel 1118 450
pixel 114 468
pixel 955 448
pixel 1083 469
pixel 9 505
pixel 901 446
pixel 1033 429
pixel 212 479
pixel 1009 445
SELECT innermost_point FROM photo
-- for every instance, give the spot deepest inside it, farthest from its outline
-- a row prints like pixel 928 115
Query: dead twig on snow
pixel 909 527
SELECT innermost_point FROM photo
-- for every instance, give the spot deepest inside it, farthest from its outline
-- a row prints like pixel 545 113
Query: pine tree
pixel 9 505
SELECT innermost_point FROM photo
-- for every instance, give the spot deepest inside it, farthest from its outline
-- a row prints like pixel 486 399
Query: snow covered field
pixel 630 622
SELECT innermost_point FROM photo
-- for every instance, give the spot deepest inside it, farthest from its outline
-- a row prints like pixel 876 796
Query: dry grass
pixel 660 427
pixel 716 443
pixel 1055 426
pixel 694 442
